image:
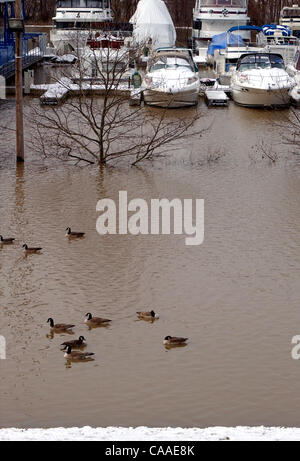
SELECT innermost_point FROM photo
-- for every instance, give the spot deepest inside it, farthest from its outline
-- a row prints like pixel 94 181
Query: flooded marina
pixel 236 296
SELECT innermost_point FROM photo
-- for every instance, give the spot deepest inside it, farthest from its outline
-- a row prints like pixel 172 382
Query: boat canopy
pixel 222 41
pixel 152 20
pixel 271 30
pixel 233 29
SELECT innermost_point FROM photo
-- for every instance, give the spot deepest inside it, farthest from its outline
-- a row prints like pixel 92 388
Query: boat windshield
pixel 170 63
pixel 224 3
pixel 261 62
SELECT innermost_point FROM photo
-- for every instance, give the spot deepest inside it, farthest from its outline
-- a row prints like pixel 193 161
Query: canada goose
pixel 74 234
pixel 147 315
pixel 95 321
pixel 74 343
pixel 7 241
pixel 174 341
pixel 76 355
pixel 31 250
pixel 59 326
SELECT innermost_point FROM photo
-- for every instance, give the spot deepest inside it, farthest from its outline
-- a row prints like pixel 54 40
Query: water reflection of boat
pixel 171 80
pixel 261 80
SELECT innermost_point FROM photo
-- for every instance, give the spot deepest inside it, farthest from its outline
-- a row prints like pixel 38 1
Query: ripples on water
pixel 236 296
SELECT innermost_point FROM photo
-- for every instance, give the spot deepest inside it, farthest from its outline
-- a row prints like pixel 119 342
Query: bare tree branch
pixel 100 129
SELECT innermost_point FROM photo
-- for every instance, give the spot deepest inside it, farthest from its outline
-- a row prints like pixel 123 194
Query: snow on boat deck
pixel 146 433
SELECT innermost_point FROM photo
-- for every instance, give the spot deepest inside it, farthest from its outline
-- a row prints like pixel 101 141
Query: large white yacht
pixel 213 17
pixel 75 19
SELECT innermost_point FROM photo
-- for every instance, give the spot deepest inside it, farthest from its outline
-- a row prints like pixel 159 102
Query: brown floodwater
pixel 236 296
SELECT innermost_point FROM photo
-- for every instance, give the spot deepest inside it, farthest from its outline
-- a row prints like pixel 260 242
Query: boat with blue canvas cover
pixel 213 17
pixel 279 39
pixel 225 50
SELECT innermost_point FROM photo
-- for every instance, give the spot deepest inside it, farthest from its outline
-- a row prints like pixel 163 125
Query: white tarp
pixel 152 20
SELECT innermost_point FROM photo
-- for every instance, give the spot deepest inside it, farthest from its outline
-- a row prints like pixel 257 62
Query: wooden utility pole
pixel 19 87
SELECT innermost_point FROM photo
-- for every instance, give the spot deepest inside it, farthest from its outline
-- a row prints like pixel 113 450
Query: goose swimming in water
pixel 59 327
pixel 95 321
pixel 74 234
pixel 76 355
pixel 75 343
pixel 7 241
pixel 147 315
pixel 174 341
pixel 29 250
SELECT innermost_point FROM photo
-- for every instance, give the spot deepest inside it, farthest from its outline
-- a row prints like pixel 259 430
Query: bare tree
pixel 123 10
pixel 40 11
pixel 267 11
pixel 97 125
pixel 291 126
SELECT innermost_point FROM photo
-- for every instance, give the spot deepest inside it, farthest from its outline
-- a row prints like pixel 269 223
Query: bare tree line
pixel 260 11
pixel 267 11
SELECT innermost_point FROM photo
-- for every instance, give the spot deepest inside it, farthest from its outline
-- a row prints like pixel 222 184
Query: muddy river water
pixel 236 296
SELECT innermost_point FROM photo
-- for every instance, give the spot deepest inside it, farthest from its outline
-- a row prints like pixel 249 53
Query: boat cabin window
pixel 82 4
pixel 290 13
pixel 261 62
pixel 224 3
pixel 170 63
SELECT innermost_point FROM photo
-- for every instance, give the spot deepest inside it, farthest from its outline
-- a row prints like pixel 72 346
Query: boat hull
pixel 295 95
pixel 171 100
pixel 257 97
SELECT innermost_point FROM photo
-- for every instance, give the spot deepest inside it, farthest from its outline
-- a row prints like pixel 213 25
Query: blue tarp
pixel 221 41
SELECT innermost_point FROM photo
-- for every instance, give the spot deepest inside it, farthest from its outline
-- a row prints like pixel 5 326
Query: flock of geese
pixel 92 322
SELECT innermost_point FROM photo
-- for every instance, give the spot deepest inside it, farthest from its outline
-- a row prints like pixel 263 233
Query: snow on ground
pixel 146 433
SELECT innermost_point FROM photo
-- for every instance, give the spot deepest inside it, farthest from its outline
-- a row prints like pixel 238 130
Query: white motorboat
pixel 294 71
pixel 261 80
pixel 213 17
pixel 171 80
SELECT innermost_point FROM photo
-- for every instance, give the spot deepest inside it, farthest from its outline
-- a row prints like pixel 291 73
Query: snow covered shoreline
pixel 147 434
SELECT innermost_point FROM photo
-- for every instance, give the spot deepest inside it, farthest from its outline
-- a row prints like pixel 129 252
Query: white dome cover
pixel 152 20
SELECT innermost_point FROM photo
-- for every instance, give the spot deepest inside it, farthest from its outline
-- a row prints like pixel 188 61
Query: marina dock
pixel 216 98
